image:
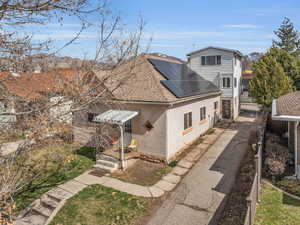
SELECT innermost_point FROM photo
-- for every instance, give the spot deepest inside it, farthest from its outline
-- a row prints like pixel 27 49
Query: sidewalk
pixel 200 197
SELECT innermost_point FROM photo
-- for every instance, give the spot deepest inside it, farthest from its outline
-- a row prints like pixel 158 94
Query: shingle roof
pixel 141 81
pixel 289 104
pixel 214 47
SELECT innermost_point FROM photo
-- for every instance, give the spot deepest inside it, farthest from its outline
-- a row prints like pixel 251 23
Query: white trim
pixel 282 117
pixel 296 148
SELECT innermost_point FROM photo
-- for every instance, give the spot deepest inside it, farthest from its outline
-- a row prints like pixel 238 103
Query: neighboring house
pixel 222 67
pixel 247 76
pixel 287 108
pixel 174 106
pixel 35 88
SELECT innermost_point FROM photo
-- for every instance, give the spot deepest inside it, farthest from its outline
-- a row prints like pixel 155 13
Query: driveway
pixel 200 197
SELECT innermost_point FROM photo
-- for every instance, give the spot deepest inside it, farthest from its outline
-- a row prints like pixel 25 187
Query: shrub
pixel 276 158
pixel 173 164
pixel 210 131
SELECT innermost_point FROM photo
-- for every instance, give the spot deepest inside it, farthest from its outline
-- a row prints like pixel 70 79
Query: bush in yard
pixel 276 158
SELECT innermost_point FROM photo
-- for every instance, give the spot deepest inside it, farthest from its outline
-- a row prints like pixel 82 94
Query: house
pixel 37 88
pixel 169 105
pixel 247 76
pixel 222 67
pixel 287 108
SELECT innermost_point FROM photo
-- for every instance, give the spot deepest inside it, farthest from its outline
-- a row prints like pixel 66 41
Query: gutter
pixel 275 116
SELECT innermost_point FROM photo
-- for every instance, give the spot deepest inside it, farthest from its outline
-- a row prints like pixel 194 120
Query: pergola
pixel 117 117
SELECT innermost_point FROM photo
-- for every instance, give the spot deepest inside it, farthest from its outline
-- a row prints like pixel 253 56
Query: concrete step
pixel 58 194
pixel 44 211
pixel 107 163
pixel 32 219
pixel 108 158
pixel 105 168
pixel 48 202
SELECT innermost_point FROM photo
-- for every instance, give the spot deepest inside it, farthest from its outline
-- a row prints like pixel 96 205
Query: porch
pixel 123 147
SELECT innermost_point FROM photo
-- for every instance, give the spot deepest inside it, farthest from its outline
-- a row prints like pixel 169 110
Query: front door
pixel 226 109
pixel 127 133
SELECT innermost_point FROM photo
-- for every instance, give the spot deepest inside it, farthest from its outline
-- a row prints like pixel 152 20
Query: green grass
pixel 277 208
pixel 56 174
pixel 290 186
pixel 99 205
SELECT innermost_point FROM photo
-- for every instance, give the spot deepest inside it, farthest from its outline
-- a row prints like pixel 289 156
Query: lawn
pixel 143 173
pixel 277 208
pixel 289 185
pixel 78 161
pixel 99 205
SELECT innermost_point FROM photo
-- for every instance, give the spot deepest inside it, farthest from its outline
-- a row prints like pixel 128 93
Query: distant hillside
pixel 44 63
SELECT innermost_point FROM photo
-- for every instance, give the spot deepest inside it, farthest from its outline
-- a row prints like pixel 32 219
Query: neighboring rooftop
pixel 218 48
pixel 288 104
pixel 35 85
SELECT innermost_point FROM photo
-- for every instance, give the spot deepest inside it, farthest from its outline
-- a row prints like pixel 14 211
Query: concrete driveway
pixel 200 197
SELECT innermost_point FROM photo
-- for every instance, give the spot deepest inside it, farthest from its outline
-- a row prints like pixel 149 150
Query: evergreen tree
pixel 288 37
pixel 289 63
pixel 270 82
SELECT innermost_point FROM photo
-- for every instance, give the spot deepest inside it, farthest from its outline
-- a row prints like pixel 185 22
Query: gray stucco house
pixel 223 67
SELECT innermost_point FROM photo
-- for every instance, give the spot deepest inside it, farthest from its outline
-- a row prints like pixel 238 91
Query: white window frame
pixel 187 120
pixel 202 113
pixel 226 86
pixel 205 60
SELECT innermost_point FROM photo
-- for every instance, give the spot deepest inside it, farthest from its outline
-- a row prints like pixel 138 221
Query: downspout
pixel 296 148
pixel 232 83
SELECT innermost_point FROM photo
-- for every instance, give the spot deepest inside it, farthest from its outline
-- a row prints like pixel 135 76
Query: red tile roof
pixel 34 85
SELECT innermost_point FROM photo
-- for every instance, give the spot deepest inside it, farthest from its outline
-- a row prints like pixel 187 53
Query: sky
pixel 178 27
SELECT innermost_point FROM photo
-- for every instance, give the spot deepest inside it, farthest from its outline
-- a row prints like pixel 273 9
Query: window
pixel 91 116
pixel 202 113
pixel 211 60
pixel 226 82
pixel 216 105
pixel 235 82
pixel 187 120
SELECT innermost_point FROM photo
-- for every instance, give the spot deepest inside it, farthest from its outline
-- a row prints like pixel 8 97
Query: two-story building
pixel 222 67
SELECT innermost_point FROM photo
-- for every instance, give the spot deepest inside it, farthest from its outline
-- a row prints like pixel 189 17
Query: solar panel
pixel 181 80
pixel 174 71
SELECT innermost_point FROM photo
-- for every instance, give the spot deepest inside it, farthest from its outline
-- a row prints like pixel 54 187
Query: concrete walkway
pixel 43 210
pixel 200 197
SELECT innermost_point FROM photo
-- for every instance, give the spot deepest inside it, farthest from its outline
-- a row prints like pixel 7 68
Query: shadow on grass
pixel 89 152
pixel 287 200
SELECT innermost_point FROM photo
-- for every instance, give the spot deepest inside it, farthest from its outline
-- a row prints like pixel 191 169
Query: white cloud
pixel 182 35
pixel 64 34
pixel 241 26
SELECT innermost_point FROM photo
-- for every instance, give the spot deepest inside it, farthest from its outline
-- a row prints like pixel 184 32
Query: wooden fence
pixel 254 196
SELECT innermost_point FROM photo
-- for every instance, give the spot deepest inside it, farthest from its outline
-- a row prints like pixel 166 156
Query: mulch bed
pixel 143 172
pixel 236 206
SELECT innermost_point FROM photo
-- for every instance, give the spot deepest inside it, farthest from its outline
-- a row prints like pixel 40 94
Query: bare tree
pixel 87 85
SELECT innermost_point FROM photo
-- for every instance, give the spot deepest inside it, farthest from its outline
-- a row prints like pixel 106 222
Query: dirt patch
pixel 143 173
pixel 236 206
